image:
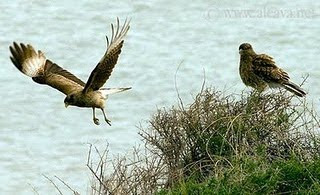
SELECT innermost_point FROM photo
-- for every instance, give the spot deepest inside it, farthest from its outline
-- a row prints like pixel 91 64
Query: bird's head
pixel 245 48
pixel 69 100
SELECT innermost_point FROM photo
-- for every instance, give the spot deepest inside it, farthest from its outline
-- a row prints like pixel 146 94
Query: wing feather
pixel 265 67
pixel 43 71
pixel 103 70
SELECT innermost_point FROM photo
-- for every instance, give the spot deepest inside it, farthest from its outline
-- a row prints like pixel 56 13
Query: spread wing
pixel 103 70
pixel 43 71
pixel 266 69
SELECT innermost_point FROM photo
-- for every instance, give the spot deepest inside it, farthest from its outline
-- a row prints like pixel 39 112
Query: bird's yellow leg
pixel 105 117
pixel 95 120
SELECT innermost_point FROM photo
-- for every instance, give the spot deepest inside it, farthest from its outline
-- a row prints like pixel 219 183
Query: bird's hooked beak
pixel 66 105
pixel 240 51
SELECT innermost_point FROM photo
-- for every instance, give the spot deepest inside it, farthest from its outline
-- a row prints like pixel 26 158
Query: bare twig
pixel 176 85
pixel 33 189
pixel 74 192
pixel 50 180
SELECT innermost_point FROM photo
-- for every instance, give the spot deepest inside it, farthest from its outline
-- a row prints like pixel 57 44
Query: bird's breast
pixel 248 76
pixel 90 99
pixel 96 99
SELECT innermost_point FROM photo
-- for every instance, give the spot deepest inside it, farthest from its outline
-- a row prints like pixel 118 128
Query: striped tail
pixel 293 88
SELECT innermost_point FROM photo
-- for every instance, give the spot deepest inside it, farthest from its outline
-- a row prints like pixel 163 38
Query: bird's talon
pixel 108 121
pixel 96 121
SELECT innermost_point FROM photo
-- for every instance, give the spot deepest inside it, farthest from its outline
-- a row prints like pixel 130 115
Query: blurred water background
pixel 38 136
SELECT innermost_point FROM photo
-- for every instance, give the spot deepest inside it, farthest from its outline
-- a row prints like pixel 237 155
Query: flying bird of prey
pixel 260 71
pixel 91 94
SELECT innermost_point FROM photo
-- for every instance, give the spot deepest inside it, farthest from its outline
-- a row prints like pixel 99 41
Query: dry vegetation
pixel 247 143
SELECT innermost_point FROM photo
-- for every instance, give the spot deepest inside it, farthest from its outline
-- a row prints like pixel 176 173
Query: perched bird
pixel 43 71
pixel 260 71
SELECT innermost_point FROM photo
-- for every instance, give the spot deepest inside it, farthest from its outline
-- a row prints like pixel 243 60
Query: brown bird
pixel 260 71
pixel 43 71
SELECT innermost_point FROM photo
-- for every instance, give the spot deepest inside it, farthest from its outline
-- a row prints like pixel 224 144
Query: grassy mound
pixel 256 143
pixel 249 143
pixel 216 129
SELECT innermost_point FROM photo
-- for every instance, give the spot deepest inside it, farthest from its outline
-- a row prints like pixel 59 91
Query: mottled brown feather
pixel 52 68
pixel 61 79
pixel 266 69
pixel 42 70
pixel 103 70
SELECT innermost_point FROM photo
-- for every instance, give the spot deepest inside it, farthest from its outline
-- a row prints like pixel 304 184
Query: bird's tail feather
pixel 293 88
pixel 107 91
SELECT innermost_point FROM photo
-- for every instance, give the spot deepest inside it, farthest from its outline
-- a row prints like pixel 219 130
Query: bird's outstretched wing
pixel 266 69
pixel 41 70
pixel 103 70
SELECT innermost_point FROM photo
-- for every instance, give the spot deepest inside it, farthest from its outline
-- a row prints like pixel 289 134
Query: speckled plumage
pixel 260 71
